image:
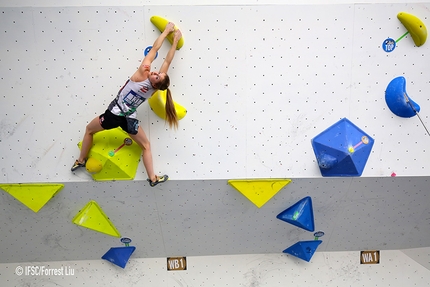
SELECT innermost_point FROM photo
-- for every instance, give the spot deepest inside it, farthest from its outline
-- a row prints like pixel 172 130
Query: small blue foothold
pixel 303 249
pixel 146 51
pixel 119 255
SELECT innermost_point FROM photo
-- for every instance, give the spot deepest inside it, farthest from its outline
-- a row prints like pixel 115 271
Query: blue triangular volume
pixel 300 214
pixel 303 249
pixel 342 149
pixel 119 255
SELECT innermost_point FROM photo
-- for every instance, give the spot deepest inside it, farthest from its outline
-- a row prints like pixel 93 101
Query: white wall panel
pixel 420 255
pixel 73 3
pixel 259 82
pixel 300 69
pixel 400 144
pixel 208 79
pixel 62 68
pixel 336 269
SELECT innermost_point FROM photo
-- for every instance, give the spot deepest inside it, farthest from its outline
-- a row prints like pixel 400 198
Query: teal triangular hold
pixel 303 249
pixel 119 255
pixel 300 214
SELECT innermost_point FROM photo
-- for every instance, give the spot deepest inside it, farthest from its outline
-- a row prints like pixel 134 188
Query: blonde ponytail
pixel 171 117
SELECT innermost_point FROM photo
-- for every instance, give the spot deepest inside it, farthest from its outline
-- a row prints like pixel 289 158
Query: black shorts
pixel 110 121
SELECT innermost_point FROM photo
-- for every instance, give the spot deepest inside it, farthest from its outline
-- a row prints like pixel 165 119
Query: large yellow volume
pixel 160 23
pixel 259 191
pixel 122 165
pixel 34 196
pixel 157 102
pixel 93 217
pixel 415 27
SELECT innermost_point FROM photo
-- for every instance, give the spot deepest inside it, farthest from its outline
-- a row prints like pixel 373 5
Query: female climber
pixel 122 110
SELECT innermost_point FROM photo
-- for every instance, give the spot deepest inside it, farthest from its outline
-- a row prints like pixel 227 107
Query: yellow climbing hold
pixel 157 102
pixel 120 165
pixel 93 165
pixel 93 217
pixel 415 27
pixel 34 196
pixel 259 191
pixel 160 23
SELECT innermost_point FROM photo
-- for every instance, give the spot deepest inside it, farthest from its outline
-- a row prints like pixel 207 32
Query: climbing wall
pixel 212 218
pixel 259 82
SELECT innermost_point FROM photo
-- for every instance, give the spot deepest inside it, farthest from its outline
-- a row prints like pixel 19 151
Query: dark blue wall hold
pixel 146 51
pixel 342 149
pixel 300 214
pixel 119 255
pixel 303 249
pixel 397 99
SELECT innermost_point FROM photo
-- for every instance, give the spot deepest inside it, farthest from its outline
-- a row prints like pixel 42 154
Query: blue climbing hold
pixel 119 255
pixel 299 214
pixel 342 149
pixel 398 100
pixel 146 51
pixel 303 249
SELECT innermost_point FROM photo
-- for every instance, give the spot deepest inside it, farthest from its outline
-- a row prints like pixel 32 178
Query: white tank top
pixel 130 97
